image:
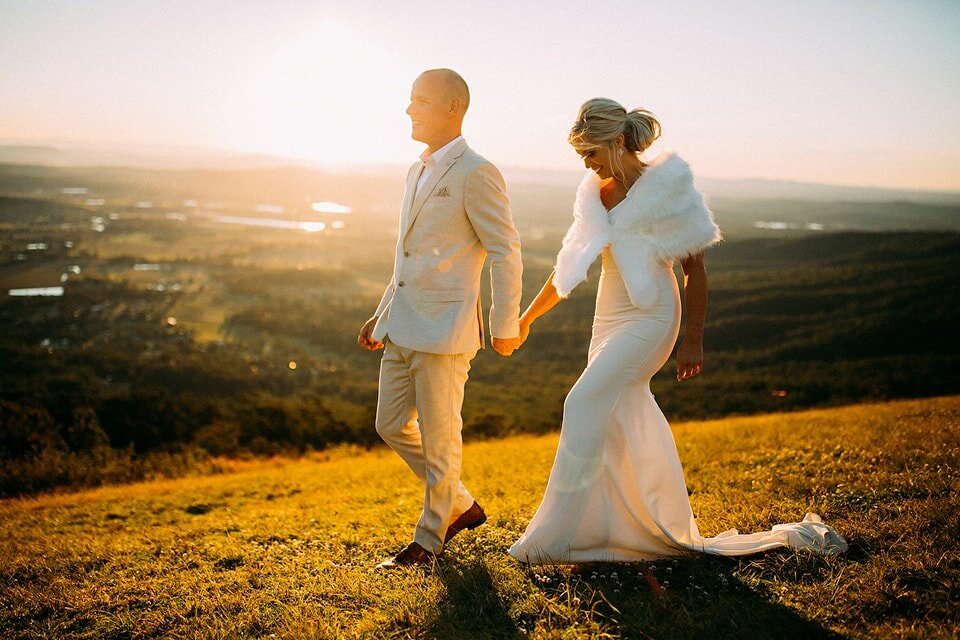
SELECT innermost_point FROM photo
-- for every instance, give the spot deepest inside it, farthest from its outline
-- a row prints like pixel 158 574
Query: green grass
pixel 287 548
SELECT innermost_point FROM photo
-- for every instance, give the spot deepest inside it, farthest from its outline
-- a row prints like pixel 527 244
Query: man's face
pixel 429 109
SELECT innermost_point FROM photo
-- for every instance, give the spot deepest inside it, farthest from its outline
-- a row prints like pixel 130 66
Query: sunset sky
pixel 861 93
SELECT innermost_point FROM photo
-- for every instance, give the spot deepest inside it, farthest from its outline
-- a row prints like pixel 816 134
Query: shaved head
pixel 453 83
pixel 438 102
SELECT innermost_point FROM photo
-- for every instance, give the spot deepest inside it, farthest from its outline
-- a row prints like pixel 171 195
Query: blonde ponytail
pixel 601 120
pixel 641 129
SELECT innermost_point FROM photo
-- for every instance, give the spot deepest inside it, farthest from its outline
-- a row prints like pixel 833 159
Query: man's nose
pixel 409 107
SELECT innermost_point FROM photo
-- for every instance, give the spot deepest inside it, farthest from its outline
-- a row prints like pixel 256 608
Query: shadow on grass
pixel 684 598
pixel 473 607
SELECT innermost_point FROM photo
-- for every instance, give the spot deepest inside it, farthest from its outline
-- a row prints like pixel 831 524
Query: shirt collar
pixel 433 159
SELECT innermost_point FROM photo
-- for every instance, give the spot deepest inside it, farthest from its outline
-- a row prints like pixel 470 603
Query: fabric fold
pixel 616 492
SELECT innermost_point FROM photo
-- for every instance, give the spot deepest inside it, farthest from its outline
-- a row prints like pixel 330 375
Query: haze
pixel 853 93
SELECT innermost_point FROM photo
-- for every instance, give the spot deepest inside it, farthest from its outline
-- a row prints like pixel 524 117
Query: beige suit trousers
pixel 418 415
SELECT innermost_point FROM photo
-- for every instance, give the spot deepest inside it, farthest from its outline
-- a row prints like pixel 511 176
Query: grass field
pixel 286 548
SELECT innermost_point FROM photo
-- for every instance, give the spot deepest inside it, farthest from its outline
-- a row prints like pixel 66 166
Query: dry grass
pixel 287 548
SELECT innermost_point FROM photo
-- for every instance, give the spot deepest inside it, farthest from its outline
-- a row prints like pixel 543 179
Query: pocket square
pixel 442 192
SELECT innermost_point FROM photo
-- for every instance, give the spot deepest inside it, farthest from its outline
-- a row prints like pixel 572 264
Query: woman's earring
pixel 619 151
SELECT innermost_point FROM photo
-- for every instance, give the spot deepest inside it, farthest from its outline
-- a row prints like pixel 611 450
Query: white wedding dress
pixel 616 492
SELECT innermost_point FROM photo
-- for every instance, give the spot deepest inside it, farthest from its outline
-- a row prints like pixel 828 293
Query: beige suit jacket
pixel 459 216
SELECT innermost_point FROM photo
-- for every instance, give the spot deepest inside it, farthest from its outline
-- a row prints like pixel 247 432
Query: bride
pixel 616 491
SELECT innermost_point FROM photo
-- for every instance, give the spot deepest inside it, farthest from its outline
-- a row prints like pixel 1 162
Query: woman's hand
pixel 544 301
pixel 689 359
pixel 524 331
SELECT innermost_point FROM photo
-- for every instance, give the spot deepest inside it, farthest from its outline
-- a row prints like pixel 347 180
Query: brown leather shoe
pixel 411 556
pixel 469 519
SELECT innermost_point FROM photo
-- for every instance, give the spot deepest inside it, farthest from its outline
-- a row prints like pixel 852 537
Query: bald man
pixel 455 213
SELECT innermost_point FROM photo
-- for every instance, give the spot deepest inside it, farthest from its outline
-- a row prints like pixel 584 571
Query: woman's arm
pixel 545 300
pixel 690 351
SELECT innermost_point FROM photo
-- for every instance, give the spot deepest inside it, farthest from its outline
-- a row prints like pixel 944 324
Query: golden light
pixel 322 96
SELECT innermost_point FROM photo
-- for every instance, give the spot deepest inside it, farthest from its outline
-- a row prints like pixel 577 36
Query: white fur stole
pixel 663 217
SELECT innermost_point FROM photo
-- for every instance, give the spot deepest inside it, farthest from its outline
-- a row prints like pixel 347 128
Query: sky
pixel 853 92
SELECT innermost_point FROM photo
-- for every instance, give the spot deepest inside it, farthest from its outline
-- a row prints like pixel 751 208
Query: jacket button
pixel 406 254
pixel 400 284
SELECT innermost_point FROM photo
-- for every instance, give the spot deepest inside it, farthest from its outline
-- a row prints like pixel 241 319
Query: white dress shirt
pixel 431 160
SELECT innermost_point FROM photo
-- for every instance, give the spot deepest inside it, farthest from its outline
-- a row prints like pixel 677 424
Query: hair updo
pixel 601 120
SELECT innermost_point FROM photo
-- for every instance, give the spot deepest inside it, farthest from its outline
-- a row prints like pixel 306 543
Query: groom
pixel 429 322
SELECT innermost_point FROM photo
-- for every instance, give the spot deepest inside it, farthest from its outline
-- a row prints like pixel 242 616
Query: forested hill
pixel 825 319
pixel 179 335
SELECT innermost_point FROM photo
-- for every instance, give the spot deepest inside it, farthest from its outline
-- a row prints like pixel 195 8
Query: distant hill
pixel 60 154
pixel 293 188
pixel 740 217
pixel 542 209
pixel 787 190
pixel 756 189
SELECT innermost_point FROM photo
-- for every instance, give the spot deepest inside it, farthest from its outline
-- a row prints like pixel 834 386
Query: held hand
pixel 524 332
pixel 364 339
pixel 506 346
pixel 689 360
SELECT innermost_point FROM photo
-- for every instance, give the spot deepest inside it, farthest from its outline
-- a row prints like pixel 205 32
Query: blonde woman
pixel 616 491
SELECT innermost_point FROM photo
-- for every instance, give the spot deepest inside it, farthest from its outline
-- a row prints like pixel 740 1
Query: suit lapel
pixel 412 175
pixel 428 187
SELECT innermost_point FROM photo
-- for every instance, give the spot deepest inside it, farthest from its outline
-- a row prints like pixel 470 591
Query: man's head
pixel 438 101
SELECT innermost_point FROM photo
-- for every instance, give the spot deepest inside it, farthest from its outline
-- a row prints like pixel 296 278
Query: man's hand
pixel 364 339
pixel 506 346
pixel 689 360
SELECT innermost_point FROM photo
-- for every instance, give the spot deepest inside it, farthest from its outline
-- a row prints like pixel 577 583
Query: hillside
pixel 171 331
pixel 286 548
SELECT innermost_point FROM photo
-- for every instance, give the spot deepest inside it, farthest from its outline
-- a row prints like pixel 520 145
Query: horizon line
pixel 186 154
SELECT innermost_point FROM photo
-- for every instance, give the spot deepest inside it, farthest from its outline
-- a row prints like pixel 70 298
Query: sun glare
pixel 323 96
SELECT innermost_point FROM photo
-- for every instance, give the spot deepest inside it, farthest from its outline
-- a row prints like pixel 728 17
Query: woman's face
pixel 597 159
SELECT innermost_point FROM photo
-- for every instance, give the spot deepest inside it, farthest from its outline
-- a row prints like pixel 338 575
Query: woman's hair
pixel 601 120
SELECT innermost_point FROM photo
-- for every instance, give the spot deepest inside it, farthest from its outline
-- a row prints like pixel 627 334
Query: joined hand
pixel 524 332
pixel 506 346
